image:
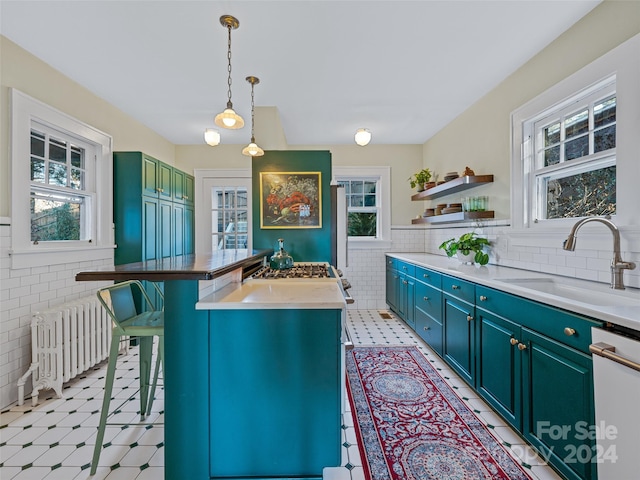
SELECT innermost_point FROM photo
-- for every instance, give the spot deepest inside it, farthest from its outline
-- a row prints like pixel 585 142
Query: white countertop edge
pixel 489 275
pixel 216 300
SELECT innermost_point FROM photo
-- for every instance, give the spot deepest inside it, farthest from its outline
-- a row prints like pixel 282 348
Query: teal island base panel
pixel 250 393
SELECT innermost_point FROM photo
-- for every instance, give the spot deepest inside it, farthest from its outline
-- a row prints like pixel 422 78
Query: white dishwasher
pixel 616 379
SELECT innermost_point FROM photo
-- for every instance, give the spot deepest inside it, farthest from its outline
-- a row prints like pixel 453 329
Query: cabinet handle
pixel 482 298
pixel 185 197
pixel 426 328
pixel 513 341
pixel 425 275
pixel 569 331
pixel 522 346
pixel 469 318
pixel 455 287
pixel 426 299
pixel 404 281
pixel 404 267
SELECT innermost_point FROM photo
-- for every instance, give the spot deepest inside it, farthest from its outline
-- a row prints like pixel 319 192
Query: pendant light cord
pixel 253 138
pixel 229 104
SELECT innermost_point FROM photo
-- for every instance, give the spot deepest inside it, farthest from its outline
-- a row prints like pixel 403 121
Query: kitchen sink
pixel 561 288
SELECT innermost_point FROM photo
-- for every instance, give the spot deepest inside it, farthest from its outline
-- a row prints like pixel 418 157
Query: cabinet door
pixel 150 214
pixel 499 365
pixel 558 404
pixel 189 225
pixel 178 185
pixel 165 230
pixel 391 285
pixel 408 299
pixel 459 338
pixel 150 176
pixel 178 232
pixel 165 179
pixel 189 189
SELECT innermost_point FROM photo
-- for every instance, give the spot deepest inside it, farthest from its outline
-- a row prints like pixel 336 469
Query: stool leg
pixel 146 352
pixel 159 360
pixel 108 388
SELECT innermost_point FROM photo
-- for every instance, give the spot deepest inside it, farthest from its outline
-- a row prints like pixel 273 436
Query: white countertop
pixel 261 294
pixel 621 307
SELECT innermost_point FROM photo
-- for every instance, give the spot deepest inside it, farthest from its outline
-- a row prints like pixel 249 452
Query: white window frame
pixel 537 172
pixel 623 63
pixel 382 176
pixel 205 179
pixel 28 113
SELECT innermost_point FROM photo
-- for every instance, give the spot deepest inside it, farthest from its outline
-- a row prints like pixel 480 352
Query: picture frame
pixel 290 200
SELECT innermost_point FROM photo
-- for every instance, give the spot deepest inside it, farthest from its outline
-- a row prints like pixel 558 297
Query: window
pixel 60 212
pixel 60 196
pixel 223 209
pixel 573 171
pixel 368 192
pixel 362 207
pixel 229 217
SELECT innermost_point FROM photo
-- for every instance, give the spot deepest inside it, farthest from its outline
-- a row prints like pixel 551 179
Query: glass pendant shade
pixel 362 137
pixel 252 150
pixel 212 137
pixel 229 119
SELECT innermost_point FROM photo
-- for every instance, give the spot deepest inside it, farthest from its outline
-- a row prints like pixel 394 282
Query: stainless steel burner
pixel 299 270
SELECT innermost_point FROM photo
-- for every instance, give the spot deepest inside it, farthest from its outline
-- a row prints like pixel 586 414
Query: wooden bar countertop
pixel 185 267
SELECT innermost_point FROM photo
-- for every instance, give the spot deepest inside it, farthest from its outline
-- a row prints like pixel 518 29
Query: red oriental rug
pixel 412 426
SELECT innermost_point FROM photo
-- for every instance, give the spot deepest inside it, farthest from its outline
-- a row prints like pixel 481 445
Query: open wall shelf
pixel 454 217
pixel 453 186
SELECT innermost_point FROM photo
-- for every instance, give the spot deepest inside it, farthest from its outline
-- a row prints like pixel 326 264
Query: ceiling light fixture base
pixel 229 21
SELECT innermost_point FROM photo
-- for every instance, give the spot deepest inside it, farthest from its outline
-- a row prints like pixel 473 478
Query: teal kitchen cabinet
pixel 391 283
pixel 533 367
pixel 459 327
pixel 400 289
pixel 407 293
pixel 428 308
pixel 183 187
pixel 149 224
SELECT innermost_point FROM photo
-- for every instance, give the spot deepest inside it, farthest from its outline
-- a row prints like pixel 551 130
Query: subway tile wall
pixel 366 267
pixel 22 292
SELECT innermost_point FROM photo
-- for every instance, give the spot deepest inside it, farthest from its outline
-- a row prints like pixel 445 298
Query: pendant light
pixel 229 118
pixel 252 150
pixel 362 137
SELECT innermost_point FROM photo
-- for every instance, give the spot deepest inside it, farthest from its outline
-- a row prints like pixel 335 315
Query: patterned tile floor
pixel 54 440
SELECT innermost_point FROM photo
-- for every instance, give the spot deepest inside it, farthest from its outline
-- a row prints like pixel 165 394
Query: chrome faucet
pixel 617 264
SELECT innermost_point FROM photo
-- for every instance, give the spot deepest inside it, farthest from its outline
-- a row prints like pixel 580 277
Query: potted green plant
pixel 469 247
pixel 420 178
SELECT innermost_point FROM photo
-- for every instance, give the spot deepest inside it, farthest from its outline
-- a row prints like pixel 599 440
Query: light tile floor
pixel 54 440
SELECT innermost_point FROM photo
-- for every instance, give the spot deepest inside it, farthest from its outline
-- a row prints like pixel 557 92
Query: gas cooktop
pixel 299 270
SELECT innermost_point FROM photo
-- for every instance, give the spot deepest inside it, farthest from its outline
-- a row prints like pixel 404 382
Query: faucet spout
pixel 617 264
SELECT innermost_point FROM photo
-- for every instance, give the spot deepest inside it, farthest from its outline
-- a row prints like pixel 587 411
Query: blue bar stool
pixel 119 302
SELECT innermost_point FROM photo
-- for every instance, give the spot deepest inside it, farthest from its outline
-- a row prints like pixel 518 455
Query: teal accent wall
pixel 303 244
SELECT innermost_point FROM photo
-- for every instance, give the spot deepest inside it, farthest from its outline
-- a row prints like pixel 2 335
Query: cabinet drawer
pixel 406 268
pixel 391 263
pixel 429 299
pixel 565 327
pixel 458 288
pixel 429 276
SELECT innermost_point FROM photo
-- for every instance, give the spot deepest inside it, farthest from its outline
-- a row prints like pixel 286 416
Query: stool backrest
pixel 118 300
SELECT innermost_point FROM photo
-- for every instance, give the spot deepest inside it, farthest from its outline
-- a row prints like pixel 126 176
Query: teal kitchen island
pixel 254 378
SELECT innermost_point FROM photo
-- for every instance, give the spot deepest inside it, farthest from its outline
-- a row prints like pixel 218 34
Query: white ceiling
pixel 403 69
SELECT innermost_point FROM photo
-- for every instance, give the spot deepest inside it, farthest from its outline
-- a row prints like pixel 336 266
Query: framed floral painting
pixel 290 200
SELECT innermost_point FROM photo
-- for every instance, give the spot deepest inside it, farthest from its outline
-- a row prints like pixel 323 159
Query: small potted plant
pixel 420 178
pixel 468 248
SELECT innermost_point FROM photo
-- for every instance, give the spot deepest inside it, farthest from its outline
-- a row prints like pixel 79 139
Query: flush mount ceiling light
pixel 252 150
pixel 229 118
pixel 362 136
pixel 212 137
